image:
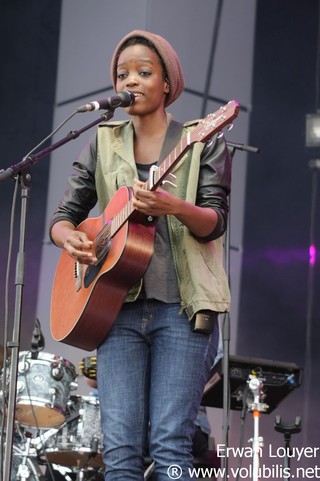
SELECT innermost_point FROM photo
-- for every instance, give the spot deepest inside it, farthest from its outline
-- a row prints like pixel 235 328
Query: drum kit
pixel 57 435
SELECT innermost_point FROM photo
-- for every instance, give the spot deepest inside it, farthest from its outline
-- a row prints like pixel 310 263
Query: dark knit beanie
pixel 169 58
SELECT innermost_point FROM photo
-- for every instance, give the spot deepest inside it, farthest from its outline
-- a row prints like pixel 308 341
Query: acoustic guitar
pixel 86 299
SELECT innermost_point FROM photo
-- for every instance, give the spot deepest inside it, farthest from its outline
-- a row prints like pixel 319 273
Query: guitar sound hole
pixel 92 271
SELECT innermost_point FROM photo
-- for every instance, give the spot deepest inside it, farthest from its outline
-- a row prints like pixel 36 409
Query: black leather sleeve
pixel 81 196
pixel 215 183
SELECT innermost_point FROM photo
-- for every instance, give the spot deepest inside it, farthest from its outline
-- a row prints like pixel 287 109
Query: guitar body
pixel 84 305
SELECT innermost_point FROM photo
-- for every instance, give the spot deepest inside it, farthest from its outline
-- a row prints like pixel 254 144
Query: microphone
pixel 123 99
pixel 37 340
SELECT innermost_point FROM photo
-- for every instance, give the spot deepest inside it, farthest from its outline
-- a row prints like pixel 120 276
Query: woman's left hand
pixel 156 202
pixel 201 221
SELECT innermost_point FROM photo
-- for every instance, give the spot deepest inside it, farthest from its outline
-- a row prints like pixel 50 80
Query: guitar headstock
pixel 216 121
pixel 205 129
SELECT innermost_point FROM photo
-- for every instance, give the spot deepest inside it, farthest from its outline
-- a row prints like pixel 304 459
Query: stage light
pixel 313 130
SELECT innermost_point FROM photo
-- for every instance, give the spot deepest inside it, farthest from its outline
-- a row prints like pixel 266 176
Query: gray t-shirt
pixel 160 280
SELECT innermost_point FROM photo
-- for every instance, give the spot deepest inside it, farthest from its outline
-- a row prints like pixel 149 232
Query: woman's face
pixel 139 70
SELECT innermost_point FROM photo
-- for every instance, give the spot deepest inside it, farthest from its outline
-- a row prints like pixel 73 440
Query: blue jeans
pixel 151 373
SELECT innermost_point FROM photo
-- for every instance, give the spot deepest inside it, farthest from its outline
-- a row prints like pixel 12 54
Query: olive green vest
pixel 199 265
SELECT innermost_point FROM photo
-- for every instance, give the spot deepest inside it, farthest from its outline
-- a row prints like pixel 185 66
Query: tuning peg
pixel 169 182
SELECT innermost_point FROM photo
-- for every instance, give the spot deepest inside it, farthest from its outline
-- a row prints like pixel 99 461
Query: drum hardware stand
pixel 40 441
pixel 24 472
pixel 81 474
pixel 287 431
pixel 20 173
pixel 94 446
pixel 255 386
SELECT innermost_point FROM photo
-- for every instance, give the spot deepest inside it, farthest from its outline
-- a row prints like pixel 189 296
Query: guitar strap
pixel 171 139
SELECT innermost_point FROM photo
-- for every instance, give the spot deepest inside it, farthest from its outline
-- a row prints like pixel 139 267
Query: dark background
pixel 275 307
pixel 29 34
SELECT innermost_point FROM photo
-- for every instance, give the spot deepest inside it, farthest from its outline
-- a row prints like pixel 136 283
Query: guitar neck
pixel 205 129
pixel 122 217
pixel 154 181
pixel 158 175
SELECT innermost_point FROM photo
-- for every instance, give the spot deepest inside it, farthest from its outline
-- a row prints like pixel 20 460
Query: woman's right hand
pixel 74 242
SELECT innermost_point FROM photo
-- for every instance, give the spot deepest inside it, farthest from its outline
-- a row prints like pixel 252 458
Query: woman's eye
pixel 144 73
pixel 121 76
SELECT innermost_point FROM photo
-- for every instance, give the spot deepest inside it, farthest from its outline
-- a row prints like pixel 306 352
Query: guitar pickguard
pixel 93 271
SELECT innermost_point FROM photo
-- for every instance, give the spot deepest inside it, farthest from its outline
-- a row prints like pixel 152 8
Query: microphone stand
pixel 20 173
pixel 226 324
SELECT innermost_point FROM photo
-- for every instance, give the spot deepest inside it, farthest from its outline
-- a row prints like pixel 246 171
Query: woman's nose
pixel 131 80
